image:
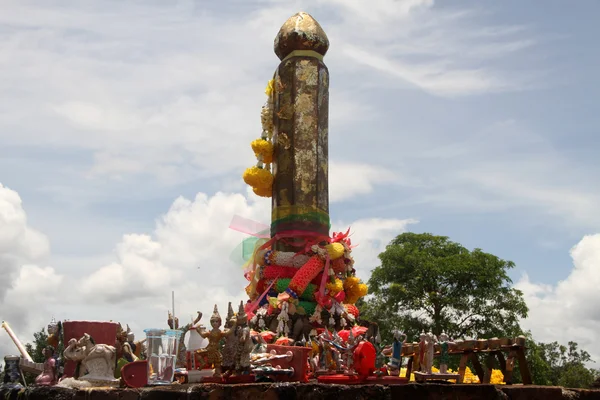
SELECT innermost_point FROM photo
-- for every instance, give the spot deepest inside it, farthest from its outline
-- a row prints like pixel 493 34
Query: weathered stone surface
pixel 531 392
pixel 445 391
pixel 292 391
pixel 580 394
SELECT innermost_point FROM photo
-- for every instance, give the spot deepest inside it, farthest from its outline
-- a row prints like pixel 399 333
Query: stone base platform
pixel 293 391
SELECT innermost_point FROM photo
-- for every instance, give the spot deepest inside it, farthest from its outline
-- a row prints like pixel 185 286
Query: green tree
pixel 36 350
pixel 428 282
pixel 554 364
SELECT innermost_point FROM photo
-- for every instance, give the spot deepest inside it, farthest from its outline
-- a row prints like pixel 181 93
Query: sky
pixel 125 128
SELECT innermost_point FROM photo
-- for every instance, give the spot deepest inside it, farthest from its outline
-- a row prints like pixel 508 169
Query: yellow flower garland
pixel 260 177
pixel 262 192
pixel 263 150
pixel 354 289
pixel 335 287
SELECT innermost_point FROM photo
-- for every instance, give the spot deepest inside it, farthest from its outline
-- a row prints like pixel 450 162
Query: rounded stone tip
pixel 300 32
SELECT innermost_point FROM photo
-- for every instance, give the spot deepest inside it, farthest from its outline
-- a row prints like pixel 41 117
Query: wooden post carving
pixel 300 201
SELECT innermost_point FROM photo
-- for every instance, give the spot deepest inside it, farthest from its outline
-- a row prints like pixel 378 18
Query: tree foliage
pixel 558 365
pixel 36 350
pixel 428 282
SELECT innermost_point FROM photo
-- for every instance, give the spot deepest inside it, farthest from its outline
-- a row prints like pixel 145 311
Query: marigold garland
pixel 263 192
pixel 258 178
pixel 354 289
pixel 263 150
pixel 335 287
pixel 262 181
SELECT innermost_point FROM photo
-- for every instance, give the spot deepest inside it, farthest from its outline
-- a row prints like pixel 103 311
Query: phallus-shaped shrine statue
pixel 301 277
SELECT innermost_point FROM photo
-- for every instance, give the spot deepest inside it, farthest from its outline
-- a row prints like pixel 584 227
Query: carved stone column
pixel 301 106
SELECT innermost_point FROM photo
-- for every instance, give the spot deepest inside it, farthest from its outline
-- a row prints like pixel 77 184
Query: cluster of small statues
pixel 333 355
pixel 422 358
pixel 233 349
pixel 96 363
pixel 235 357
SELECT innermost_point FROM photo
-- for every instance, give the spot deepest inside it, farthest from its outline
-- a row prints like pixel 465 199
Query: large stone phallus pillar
pixel 302 277
pixel 300 199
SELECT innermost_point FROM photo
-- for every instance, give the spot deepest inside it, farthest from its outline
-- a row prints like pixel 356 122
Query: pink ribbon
pixel 249 309
pixel 249 227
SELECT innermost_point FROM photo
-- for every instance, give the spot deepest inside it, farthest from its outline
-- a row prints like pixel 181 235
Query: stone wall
pixel 268 391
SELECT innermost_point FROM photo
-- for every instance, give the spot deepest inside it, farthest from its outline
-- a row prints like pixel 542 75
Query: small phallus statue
pixel 49 375
pixel 214 336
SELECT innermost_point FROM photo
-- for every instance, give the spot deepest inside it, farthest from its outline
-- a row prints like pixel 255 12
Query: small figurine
pixel 260 346
pixel 54 331
pixel 99 362
pixel 349 353
pixel 75 353
pixel 444 343
pixel 123 346
pixel 396 352
pixel 380 357
pixel 230 347
pixel 214 336
pixel 431 339
pixel 173 322
pixel 244 342
pixel 326 360
pixel 49 375
pixel 313 358
pixel 422 350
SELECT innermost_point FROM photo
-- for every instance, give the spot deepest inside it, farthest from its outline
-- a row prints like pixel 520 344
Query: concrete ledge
pixel 310 391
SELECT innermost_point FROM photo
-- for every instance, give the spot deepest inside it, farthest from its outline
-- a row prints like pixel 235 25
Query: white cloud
pixel 347 180
pixel 153 96
pixel 568 310
pixel 442 51
pixel 26 289
pixel 19 243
